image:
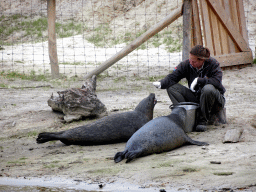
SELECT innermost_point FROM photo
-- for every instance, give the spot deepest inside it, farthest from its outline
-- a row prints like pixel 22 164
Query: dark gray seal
pixel 158 135
pixel 110 129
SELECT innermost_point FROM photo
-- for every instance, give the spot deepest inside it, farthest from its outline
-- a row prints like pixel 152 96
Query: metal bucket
pixel 191 109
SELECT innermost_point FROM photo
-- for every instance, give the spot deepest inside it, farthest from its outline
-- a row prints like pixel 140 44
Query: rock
pixel 233 135
pixel 248 135
pixel 76 103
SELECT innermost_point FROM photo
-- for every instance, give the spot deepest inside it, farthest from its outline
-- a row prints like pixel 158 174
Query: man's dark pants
pixel 210 101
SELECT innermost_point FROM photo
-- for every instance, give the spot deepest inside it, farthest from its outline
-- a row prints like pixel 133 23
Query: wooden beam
pixel 242 22
pixel 234 18
pixel 231 44
pixel 234 58
pixel 207 26
pixel 235 35
pixel 52 47
pixel 175 14
pixel 187 29
pixel 223 35
pixel 197 32
pixel 215 33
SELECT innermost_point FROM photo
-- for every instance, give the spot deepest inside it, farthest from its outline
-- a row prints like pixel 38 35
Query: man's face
pixel 195 62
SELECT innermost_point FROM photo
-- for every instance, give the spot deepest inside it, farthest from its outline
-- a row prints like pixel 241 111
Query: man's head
pixel 197 56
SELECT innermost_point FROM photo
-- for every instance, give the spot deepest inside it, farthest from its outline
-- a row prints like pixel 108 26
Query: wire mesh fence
pixel 88 33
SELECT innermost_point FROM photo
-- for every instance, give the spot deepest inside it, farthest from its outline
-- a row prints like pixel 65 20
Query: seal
pixel 109 129
pixel 158 135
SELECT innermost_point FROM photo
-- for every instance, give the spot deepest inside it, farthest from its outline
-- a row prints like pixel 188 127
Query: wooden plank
pixel 231 44
pixel 215 33
pixel 52 47
pixel 242 21
pixel 203 23
pixel 187 29
pixel 235 35
pixel 223 35
pixel 193 33
pixel 197 38
pixel 175 14
pixel 207 26
pixel 234 18
pixel 234 58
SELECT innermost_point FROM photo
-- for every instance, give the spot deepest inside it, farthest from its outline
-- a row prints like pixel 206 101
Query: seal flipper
pixel 119 156
pixel 199 143
pixel 46 136
pixel 132 155
pixel 193 142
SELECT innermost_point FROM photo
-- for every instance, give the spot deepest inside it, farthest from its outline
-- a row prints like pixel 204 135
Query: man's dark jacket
pixel 210 73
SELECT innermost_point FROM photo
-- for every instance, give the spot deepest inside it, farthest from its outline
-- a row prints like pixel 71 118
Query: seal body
pixel 110 129
pixel 158 135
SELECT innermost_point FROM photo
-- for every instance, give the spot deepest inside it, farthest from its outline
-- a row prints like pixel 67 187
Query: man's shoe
pixel 218 118
pixel 221 116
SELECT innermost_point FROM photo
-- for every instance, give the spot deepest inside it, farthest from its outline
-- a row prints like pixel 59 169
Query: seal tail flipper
pixel 46 136
pixel 119 156
pixel 132 155
pixel 193 142
pixel 199 143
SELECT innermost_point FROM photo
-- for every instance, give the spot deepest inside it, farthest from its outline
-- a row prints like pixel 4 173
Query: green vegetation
pixel 156 78
pixel 105 171
pixel 166 164
pixel 23 26
pixel 51 165
pixel 14 75
pixel 3 85
pixel 20 161
pixel 32 134
pixel 52 142
pixel 34 29
pixel 120 79
pixel 101 36
pixel 223 173
pixel 254 61
pixel 74 63
pixel 189 170
pixel 63 81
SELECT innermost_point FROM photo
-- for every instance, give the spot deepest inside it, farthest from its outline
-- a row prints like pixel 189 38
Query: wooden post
pixel 52 48
pixel 187 29
pixel 197 33
pixel 137 42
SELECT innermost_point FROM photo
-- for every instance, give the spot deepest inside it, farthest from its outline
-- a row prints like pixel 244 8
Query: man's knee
pixel 174 87
pixel 208 89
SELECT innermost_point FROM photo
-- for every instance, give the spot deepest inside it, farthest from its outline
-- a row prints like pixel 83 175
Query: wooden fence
pixel 219 25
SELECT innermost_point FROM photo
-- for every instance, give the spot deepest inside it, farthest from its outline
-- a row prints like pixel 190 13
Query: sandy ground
pixel 24 113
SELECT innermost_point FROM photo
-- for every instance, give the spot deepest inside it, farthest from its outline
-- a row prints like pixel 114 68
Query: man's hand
pixel 193 85
pixel 157 84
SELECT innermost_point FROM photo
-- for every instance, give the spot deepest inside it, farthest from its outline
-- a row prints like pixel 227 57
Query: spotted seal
pixel 158 135
pixel 110 129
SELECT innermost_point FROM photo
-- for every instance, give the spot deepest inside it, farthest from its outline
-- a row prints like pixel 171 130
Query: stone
pixel 233 135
